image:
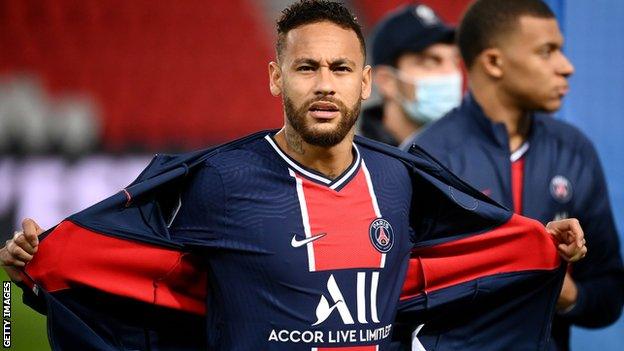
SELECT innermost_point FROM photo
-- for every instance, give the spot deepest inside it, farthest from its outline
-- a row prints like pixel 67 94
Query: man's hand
pixel 20 249
pixel 571 239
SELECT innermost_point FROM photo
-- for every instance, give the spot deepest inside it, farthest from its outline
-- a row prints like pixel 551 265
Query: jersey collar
pixel 317 177
pixel 516 155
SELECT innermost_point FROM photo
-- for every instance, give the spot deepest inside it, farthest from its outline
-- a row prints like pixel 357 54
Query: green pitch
pixel 28 328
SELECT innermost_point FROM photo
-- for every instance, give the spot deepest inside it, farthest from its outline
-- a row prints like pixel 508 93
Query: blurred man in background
pixel 416 71
pixel 541 167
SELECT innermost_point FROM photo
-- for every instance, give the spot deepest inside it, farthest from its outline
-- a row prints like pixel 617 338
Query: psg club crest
pixel 561 189
pixel 381 235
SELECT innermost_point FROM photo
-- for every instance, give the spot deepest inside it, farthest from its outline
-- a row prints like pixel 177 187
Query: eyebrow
pixel 315 63
pixel 551 45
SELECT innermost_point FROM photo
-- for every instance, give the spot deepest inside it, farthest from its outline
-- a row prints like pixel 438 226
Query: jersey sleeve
pixel 599 276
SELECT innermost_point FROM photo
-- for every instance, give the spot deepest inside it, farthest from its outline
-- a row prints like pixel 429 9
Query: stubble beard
pixel 323 138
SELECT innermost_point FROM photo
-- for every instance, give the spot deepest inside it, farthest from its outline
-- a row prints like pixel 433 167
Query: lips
pixel 324 110
pixel 563 90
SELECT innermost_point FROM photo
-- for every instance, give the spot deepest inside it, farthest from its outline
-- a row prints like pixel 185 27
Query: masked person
pixel 416 71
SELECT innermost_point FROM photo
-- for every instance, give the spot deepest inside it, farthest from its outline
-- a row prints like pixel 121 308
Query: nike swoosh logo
pixel 299 243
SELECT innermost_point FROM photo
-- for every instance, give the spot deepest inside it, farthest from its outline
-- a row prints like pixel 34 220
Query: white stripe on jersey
pixel 354 168
pixel 305 220
pixel 371 191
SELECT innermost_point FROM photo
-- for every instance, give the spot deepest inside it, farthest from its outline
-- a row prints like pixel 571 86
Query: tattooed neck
pixel 332 175
pixel 294 141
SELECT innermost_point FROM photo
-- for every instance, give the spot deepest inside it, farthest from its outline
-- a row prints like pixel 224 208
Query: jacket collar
pixel 494 132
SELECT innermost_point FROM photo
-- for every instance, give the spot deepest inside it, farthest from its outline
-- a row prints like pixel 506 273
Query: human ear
pixel 366 82
pixel 275 78
pixel 492 62
pixel 385 81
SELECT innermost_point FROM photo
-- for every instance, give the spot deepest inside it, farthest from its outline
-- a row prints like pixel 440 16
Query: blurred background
pixel 91 89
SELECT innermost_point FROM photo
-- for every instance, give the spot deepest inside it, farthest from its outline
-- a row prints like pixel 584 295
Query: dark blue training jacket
pixel 562 179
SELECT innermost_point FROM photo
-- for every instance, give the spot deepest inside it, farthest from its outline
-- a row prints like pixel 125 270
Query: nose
pixel 325 84
pixel 565 67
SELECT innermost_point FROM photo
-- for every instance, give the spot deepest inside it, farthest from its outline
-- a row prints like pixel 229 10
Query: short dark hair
pixel 313 11
pixel 486 20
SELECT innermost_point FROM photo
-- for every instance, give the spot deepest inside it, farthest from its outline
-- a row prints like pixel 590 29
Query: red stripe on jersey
pixel 517 179
pixel 345 216
pixel 72 256
pixel 521 244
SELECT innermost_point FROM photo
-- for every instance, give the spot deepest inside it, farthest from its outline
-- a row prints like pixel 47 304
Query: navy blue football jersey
pixel 298 260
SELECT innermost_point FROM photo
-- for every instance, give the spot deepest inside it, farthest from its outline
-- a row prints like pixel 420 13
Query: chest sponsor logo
pixel 335 303
pixel 325 309
pixel 561 189
pixel 299 243
pixel 381 235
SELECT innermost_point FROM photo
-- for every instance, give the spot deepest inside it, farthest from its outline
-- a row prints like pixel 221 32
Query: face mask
pixel 434 97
